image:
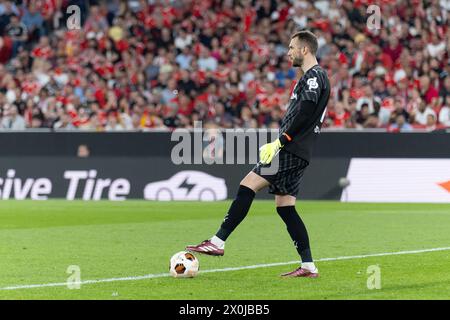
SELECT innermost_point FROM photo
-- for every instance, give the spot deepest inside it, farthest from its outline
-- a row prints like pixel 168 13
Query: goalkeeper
pixel 299 129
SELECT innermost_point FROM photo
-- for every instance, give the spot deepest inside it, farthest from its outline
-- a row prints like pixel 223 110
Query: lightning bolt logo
pixel 186 185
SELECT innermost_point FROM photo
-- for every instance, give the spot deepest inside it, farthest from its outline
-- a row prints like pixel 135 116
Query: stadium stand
pixel 143 65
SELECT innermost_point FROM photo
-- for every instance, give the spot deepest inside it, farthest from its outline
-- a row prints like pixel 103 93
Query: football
pixel 184 264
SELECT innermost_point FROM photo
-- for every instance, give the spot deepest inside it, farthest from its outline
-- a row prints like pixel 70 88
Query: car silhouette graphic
pixel 187 185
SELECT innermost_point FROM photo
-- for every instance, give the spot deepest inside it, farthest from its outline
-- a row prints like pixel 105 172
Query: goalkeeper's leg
pixel 299 235
pixel 248 187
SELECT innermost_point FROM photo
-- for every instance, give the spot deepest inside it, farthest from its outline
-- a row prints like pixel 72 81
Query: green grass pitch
pixel 110 240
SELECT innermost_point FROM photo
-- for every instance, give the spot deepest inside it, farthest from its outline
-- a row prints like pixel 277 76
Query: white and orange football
pixel 184 264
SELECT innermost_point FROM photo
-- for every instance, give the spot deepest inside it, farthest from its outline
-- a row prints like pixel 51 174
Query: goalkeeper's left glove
pixel 268 151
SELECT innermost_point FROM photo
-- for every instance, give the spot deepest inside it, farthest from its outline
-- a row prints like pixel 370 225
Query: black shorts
pixel 286 181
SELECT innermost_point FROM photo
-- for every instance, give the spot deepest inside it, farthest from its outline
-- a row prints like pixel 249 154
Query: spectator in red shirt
pixel 393 49
pixel 6 49
pixel 339 115
pixel 427 90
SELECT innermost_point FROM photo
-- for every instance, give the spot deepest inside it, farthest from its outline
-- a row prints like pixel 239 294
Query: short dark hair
pixel 308 38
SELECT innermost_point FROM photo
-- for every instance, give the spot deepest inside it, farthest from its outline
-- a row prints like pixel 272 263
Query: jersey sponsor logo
pixel 317 130
pixel 312 83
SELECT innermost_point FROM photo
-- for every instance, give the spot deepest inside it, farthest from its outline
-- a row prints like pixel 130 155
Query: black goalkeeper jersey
pixel 306 112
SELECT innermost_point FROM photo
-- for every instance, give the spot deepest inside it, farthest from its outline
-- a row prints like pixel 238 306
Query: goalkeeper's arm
pixel 307 110
pixel 269 150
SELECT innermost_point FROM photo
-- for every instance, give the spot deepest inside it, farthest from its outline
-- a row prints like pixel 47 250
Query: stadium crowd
pixel 139 65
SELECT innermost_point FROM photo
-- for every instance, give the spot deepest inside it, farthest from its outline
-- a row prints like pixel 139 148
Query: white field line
pixel 256 266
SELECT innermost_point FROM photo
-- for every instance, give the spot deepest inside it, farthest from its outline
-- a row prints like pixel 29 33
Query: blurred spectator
pixel 363 114
pixel 400 124
pixel 423 111
pixel 6 49
pixel 436 47
pixel 339 115
pixel 18 33
pixel 285 74
pixel 399 109
pixel 366 98
pixel 83 151
pixel 96 20
pixel 184 58
pixel 431 122
pixel 444 93
pixel 12 119
pixel 8 9
pixel 36 122
pixel 33 21
pixel 183 40
pixel 64 123
pixel 372 122
pixel 427 90
pixel 444 114
pixel 206 62
pixel 113 123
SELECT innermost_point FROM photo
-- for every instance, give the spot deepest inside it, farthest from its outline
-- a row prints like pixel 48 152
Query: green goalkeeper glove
pixel 268 151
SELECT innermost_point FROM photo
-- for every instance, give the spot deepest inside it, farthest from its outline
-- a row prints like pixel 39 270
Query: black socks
pixel 237 212
pixel 295 226
pixel 297 231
